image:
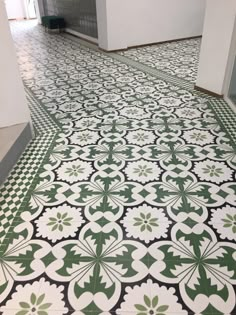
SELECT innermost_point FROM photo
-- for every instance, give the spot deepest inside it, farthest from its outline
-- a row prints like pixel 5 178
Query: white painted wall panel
pixel 15 9
pixel 125 23
pixel 13 104
pixel 216 45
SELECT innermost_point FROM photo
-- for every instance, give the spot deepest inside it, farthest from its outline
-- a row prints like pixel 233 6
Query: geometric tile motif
pixel 122 217
pixel 171 78
pixel 141 58
pixel 152 71
pixel 226 116
pixel 178 58
pixel 17 184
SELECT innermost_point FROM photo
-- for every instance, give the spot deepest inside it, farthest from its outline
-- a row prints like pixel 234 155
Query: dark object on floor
pixel 52 22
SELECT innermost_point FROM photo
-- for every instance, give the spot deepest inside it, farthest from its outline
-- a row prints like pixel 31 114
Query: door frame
pixel 229 69
pixel 39 8
pixel 27 10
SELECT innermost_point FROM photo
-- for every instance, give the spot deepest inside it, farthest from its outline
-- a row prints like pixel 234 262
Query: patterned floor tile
pixel 127 204
pixel 178 58
pixel 20 179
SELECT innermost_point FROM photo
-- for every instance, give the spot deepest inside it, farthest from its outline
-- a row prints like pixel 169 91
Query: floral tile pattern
pixel 133 208
pixel 178 58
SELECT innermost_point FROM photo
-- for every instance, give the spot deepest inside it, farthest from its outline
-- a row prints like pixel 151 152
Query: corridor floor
pixel 178 58
pixel 125 201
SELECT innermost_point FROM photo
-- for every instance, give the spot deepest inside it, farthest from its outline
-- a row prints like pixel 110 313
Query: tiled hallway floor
pixel 125 202
pixel 178 58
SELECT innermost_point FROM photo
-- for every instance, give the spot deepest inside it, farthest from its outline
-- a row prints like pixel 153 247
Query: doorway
pixel 232 87
pixel 30 9
pixel 231 82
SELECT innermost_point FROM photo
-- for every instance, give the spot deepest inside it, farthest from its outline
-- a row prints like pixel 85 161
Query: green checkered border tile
pixel 226 116
pixel 42 122
pixel 16 186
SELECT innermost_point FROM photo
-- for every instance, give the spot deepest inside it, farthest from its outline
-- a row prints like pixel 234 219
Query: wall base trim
pixel 151 44
pixel 200 89
pixel 166 41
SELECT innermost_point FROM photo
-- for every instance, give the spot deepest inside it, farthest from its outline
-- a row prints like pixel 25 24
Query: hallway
pixel 179 58
pixel 125 201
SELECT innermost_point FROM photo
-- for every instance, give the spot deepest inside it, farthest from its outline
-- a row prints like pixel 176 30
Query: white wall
pixel 13 105
pixel 125 23
pixel 217 45
pixel 15 9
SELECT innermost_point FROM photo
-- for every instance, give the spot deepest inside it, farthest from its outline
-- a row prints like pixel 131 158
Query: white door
pixel 15 9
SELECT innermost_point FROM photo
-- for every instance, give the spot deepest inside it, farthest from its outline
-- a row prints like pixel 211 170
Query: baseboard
pixel 167 41
pixel 16 139
pixel 150 44
pixel 200 89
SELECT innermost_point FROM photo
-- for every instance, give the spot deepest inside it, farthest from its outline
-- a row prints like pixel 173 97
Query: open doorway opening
pixel 231 96
pixel 30 9
pixel 232 87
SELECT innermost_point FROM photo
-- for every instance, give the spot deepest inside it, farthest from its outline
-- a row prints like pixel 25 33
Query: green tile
pixel 117 204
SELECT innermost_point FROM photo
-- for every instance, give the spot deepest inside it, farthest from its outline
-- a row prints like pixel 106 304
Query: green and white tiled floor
pixel 178 59
pixel 125 202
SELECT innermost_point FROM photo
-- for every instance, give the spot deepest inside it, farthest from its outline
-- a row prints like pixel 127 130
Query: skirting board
pixel 198 88
pixel 151 44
